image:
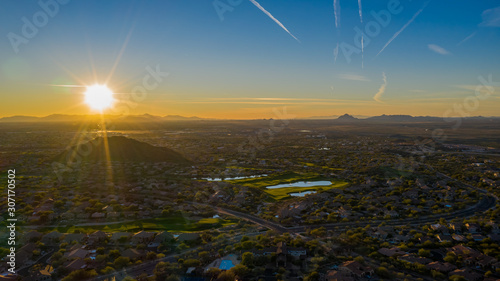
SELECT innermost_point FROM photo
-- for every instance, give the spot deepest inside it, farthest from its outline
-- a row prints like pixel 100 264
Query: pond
pixel 301 184
pixel 302 194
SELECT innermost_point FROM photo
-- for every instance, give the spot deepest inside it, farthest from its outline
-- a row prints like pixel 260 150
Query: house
pixel 444 238
pixel 459 238
pixel 52 237
pixel 455 226
pixel 118 235
pixel 478 237
pixel 97 215
pixel 32 236
pixel 391 252
pixel 439 228
pixel 461 250
pixel 264 252
pixel 473 227
pixel 78 237
pixel 68 216
pixel 485 261
pixel 97 237
pixel 134 254
pixel 161 238
pixel 188 237
pixel 76 264
pixel 77 253
pixel 441 267
pixel 412 258
pixel 281 253
pixel 334 275
pixel 25 254
pixel 356 269
pixel 142 237
pixel 494 237
pixel 467 273
pixel 297 253
pixel 39 275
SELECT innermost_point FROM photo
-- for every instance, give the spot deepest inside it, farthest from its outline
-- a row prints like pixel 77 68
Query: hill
pixel 347 117
pixel 124 149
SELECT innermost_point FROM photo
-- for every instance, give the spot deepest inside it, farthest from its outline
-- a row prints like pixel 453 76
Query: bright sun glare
pixel 99 97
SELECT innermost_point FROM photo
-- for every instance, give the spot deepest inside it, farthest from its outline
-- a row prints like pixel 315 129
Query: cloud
pixel 438 49
pixel 336 12
pixel 402 28
pixel 273 18
pixel 467 38
pixel 491 17
pixel 353 77
pixel 381 90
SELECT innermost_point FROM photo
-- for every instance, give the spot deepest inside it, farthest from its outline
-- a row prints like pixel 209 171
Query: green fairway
pixel 282 193
pixel 174 223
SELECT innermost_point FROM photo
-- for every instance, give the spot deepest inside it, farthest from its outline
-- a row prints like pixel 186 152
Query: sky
pixel 245 59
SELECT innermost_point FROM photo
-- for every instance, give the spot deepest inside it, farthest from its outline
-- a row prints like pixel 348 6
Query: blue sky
pixel 244 64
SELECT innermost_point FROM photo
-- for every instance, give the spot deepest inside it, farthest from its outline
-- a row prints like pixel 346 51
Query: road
pixel 487 202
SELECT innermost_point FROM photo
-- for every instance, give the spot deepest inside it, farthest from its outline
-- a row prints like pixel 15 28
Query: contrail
pixel 403 28
pixel 381 91
pixel 360 11
pixel 336 53
pixel 336 12
pixel 467 38
pixel 273 18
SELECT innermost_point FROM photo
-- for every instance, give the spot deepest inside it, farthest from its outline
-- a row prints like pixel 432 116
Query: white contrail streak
pixel 381 91
pixel 467 38
pixel 273 18
pixel 360 11
pixel 336 12
pixel 403 28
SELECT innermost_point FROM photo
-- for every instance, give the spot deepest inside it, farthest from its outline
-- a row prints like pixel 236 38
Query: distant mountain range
pixel 153 118
pixel 77 118
pixel 122 149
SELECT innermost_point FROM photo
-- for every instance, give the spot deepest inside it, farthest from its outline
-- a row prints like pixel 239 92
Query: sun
pixel 99 97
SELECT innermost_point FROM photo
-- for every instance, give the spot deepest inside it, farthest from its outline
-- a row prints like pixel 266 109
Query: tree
pixel 191 263
pixel 204 256
pixel 173 278
pixel 213 272
pixel 383 272
pixel 247 259
pixel 360 259
pixel 226 276
pixel 457 278
pixel 151 256
pixel 240 270
pixel 424 253
pixel 121 262
pixel 313 276
pixel 81 274
pixel 107 270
